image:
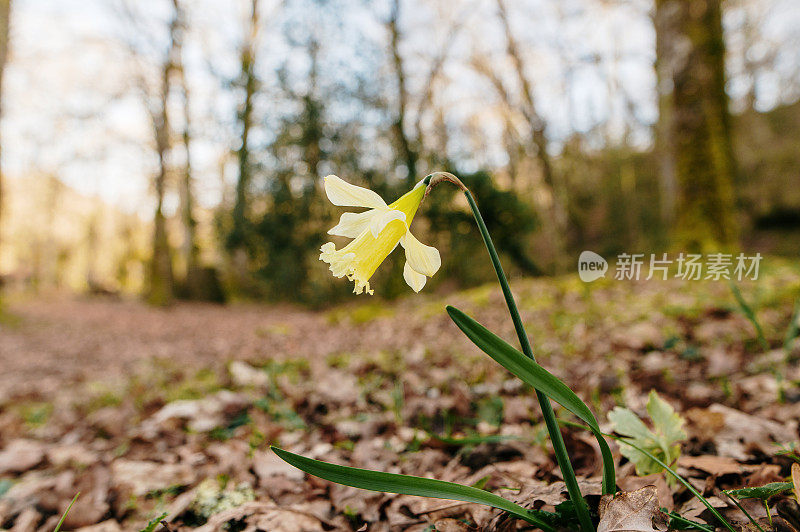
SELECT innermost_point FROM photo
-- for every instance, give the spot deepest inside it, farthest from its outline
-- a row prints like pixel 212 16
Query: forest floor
pixel 148 411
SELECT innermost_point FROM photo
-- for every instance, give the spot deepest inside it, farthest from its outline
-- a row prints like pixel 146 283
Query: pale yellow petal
pixel 383 218
pixel 352 224
pixel 344 194
pixel 375 235
pixel 415 280
pixel 423 259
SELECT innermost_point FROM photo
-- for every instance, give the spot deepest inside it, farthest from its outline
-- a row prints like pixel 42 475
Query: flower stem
pixel 560 449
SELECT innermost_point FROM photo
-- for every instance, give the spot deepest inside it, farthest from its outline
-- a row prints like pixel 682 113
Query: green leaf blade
pixel 762 492
pixel 749 314
pixel 407 485
pixel 64 515
pixel 535 375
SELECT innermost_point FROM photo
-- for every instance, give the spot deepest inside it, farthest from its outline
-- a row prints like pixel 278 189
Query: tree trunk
pixel 407 153
pixel 693 49
pixel 664 21
pixel 161 289
pixel 249 83
pixel 5 13
pixel 189 248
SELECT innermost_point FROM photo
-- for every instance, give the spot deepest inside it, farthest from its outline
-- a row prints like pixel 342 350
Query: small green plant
pixel 792 332
pixel 154 522
pixel 790 451
pixel 663 441
pixel 226 432
pixel 750 315
pixel 35 414
pixel 762 493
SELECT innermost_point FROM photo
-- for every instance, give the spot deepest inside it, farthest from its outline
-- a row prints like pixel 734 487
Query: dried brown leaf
pixel 709 463
pixel 629 511
pixel 265 516
pixel 450 525
pixel 796 479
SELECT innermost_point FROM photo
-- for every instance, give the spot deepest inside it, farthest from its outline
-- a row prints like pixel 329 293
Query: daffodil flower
pixel 375 233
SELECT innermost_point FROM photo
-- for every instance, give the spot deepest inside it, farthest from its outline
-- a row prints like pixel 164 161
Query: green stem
pixel 560 449
pixel 769 515
pixel 685 521
pixel 745 512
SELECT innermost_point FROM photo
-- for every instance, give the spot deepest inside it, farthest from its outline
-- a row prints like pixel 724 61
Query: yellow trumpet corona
pixel 375 233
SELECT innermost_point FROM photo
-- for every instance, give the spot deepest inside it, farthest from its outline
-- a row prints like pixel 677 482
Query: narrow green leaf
pixel 676 522
pixel 474 440
pixel 744 511
pixel 793 331
pixel 61 521
pixel 762 492
pixel 409 485
pixel 749 314
pixel 535 375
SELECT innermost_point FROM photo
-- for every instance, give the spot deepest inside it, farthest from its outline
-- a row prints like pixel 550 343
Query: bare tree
pixel 407 148
pixel 159 81
pixel 411 147
pixel 528 107
pixel 5 14
pixel 554 210
pixel 189 248
pixel 752 46
pixel 161 288
pixel 249 83
pixel 538 136
pixel 426 101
